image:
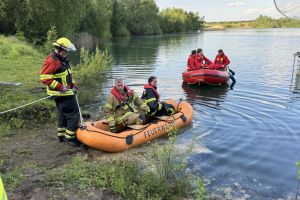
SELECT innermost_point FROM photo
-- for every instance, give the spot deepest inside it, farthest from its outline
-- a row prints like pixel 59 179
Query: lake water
pixel 248 138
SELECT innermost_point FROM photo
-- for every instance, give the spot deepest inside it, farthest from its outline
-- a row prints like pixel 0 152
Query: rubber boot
pixel 74 142
pixel 61 138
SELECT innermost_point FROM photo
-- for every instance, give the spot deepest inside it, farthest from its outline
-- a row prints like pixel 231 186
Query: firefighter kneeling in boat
pixel 120 109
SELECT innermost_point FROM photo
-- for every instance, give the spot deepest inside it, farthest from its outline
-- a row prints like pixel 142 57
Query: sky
pixel 224 10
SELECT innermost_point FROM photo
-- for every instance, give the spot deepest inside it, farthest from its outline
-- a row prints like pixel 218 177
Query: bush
pixel 90 71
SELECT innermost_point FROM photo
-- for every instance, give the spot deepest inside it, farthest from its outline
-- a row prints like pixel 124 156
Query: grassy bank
pixel 260 22
pixel 21 63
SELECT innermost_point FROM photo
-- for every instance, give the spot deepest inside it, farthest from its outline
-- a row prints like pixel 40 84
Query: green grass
pixel 21 63
pixel 16 176
pixel 163 176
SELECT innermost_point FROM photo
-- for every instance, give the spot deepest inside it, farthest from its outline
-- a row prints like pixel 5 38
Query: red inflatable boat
pixel 206 76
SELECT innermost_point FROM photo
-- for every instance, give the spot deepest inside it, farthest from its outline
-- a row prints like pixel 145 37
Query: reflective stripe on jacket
pixel 3 195
pixel 56 74
pixel 151 97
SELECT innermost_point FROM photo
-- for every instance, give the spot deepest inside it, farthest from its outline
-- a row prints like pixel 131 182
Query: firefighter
pixel 57 75
pixel 191 63
pixel 201 60
pixel 221 60
pixel 151 97
pixel 120 109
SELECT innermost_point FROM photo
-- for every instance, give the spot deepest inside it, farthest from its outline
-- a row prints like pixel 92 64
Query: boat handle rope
pixel 200 79
pixel 120 137
pixel 13 109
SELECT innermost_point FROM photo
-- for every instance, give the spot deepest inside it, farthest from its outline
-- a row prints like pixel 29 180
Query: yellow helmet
pixel 65 44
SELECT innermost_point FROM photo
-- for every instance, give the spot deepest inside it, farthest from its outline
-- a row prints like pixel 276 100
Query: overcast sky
pixel 224 10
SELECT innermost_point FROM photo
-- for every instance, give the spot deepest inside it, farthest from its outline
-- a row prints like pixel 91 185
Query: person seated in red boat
pixel 191 63
pixel 221 61
pixel 151 97
pixel 201 60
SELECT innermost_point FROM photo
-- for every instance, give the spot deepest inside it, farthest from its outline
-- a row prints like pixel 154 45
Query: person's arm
pixel 152 101
pixel 216 60
pixel 226 61
pixel 207 61
pixel 140 103
pixel 189 67
pixel 47 75
pixel 109 113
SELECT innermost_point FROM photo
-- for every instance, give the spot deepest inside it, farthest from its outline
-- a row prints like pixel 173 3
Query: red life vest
pixel 222 60
pixel 121 97
pixel 148 86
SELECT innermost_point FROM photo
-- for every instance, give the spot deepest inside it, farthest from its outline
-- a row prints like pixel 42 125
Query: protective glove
pixel 112 127
pixel 148 112
pixel 75 90
pixel 64 89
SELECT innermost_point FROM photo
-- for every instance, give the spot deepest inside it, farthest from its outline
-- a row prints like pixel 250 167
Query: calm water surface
pixel 248 138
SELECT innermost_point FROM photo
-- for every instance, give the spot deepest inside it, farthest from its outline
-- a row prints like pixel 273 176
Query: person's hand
pixel 64 89
pixel 112 127
pixel 75 90
pixel 148 112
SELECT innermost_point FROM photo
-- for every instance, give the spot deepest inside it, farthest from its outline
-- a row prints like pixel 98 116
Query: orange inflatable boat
pixel 97 134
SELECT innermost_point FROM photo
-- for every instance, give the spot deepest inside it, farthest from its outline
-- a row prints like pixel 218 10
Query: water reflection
pixel 194 93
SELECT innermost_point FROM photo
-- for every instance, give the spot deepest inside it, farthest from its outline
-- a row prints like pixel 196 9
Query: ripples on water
pixel 247 138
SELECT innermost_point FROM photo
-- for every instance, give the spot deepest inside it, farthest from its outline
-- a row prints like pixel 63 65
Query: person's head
pixel 63 46
pixel 199 51
pixel 220 52
pixel 152 80
pixel 194 52
pixel 119 84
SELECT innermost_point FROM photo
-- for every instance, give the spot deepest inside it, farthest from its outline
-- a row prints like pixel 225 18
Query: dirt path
pixel 40 151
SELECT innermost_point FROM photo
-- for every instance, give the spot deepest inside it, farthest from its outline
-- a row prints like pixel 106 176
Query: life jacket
pixel 149 86
pixel 219 59
pixel 121 98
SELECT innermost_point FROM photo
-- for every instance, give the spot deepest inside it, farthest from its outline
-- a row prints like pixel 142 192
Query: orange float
pixel 97 135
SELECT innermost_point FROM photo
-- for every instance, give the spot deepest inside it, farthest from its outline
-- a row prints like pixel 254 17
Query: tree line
pixel 103 18
pixel 260 22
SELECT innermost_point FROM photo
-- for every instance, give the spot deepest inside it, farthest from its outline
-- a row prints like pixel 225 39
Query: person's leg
pixel 71 112
pixel 233 79
pixel 231 71
pixel 61 121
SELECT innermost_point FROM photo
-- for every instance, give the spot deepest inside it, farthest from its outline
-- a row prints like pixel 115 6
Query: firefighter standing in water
pixel 120 109
pixel 56 74
pixel 151 97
